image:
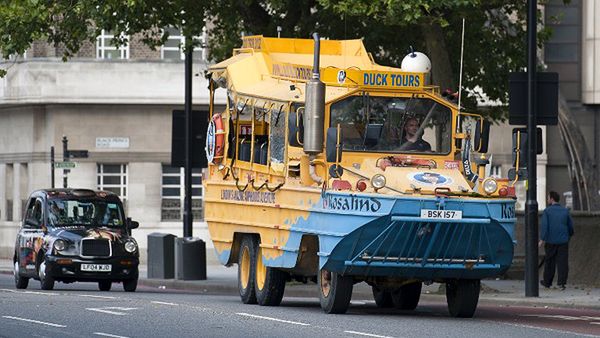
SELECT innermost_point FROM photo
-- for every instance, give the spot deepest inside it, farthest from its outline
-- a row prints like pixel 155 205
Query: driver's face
pixel 411 127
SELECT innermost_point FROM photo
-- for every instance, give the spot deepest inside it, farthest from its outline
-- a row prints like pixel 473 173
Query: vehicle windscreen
pixel 78 212
pixel 393 124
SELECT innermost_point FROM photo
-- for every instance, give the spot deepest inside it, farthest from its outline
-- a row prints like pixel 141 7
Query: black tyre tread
pixel 407 296
pixel 272 294
pixel 383 299
pixel 462 297
pixel 340 294
pixel 104 285
pixel 47 283
pixel 130 285
pixel 248 294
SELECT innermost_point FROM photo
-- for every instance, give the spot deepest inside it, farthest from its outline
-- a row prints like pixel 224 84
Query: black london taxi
pixel 71 235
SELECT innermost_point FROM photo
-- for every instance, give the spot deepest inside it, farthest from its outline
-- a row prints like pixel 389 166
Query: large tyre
pixel 104 285
pixel 462 296
pixel 20 282
pixel 46 282
pixel 383 299
pixel 269 283
pixel 407 296
pixel 129 285
pixel 247 269
pixel 335 291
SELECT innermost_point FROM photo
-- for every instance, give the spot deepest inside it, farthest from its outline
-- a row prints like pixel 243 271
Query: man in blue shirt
pixel 557 229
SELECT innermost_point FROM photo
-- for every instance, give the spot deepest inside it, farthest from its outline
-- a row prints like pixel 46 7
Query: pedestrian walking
pixel 557 229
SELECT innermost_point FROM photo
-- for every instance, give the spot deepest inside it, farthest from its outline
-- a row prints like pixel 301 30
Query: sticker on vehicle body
pixel 430 178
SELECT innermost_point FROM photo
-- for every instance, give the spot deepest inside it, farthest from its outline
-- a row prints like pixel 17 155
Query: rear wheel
pixel 383 299
pixel 104 285
pixel 407 296
pixel 46 281
pixel 247 270
pixel 335 291
pixel 269 282
pixel 462 296
pixel 20 282
pixel 129 285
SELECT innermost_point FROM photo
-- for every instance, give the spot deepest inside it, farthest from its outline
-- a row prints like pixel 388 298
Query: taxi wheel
pixel 407 296
pixel 20 282
pixel 104 285
pixel 383 299
pixel 247 269
pixel 335 291
pixel 46 282
pixel 462 296
pixel 269 282
pixel 129 285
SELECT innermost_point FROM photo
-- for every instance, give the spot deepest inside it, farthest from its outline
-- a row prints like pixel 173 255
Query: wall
pixel 584 251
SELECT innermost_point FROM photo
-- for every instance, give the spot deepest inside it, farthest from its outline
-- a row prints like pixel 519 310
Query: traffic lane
pixel 581 321
pixel 362 318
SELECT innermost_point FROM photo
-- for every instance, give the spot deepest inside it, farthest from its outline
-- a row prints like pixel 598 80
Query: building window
pixel 106 50
pixel 173 193
pixel 113 178
pixel 173 47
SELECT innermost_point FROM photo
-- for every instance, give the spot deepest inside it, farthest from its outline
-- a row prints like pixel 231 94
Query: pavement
pixel 222 280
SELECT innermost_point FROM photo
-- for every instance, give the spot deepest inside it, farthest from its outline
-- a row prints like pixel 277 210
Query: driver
pixel 412 139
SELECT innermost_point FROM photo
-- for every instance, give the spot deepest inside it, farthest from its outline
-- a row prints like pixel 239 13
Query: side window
pixel 29 211
pixel 277 138
pixel 34 213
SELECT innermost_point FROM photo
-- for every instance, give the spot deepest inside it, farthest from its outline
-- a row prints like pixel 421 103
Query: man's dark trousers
pixel 557 258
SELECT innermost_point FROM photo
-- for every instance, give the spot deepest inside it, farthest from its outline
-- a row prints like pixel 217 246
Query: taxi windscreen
pixel 91 212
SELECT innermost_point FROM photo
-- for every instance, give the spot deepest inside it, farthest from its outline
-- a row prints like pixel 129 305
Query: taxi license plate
pixel 441 214
pixel 96 267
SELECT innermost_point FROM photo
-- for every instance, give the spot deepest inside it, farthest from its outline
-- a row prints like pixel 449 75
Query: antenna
pixel 462 49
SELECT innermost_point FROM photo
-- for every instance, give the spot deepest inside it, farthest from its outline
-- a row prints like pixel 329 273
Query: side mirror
pixel 132 224
pixel 296 128
pixel 482 136
pixel 333 148
pixel 519 142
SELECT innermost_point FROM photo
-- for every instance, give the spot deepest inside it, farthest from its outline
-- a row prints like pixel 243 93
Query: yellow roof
pixel 266 67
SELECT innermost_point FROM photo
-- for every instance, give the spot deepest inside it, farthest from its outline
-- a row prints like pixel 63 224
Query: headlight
pixel 59 245
pixel 378 181
pixel 490 186
pixel 130 246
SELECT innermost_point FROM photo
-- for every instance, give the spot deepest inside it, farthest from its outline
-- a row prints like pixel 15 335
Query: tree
pixel 494 39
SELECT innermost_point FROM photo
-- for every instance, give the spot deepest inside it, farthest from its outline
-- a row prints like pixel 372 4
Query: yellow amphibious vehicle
pixel 327 167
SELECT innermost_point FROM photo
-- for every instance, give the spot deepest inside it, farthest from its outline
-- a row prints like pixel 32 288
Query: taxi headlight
pixel 378 181
pixel 59 245
pixel 130 246
pixel 490 185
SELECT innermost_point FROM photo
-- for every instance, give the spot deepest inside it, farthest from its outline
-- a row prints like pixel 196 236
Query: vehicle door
pixel 30 238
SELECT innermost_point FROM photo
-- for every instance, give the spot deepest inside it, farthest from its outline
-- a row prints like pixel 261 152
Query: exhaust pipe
pixel 314 116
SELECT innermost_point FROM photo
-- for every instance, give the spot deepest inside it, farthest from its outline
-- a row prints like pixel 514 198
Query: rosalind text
pixel 248 196
pixel 351 203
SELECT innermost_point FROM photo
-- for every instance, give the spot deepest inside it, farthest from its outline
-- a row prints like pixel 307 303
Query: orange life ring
pixel 215 140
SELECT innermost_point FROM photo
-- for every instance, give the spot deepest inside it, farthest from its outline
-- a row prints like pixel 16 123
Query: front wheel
pixel 462 296
pixel 20 282
pixel 407 296
pixel 130 285
pixel 46 281
pixel 335 291
pixel 104 285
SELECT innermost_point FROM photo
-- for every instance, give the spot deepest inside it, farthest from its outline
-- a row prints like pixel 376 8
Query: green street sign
pixel 65 165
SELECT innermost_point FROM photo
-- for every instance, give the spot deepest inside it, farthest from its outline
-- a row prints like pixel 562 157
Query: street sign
pixel 65 165
pixel 78 154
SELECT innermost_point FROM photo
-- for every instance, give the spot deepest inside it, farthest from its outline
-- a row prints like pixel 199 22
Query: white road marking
pixel 109 309
pixel 33 321
pixel 367 334
pixel 271 318
pixel 31 292
pixel 595 323
pixel 590 318
pixel 357 302
pixel 94 296
pixel 163 303
pixel 108 335
pixel 555 317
